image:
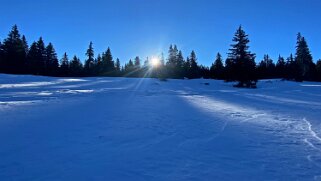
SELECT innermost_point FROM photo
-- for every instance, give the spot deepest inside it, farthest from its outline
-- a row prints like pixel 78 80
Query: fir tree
pixel 108 63
pixel 129 68
pixel 292 69
pixel 118 67
pixel 25 44
pixel 242 60
pixel 217 68
pixel 98 65
pixel 303 59
pixel 89 63
pixel 75 67
pixel 51 60
pixel 179 69
pixel 280 67
pixel 64 65
pixel 14 52
pixel 266 68
pixel 1 58
pixel 194 69
pixel 137 62
pixel 318 70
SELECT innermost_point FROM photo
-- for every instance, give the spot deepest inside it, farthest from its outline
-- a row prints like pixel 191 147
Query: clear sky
pixel 148 27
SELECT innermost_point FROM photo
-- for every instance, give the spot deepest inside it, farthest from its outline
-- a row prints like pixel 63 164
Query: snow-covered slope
pixel 146 129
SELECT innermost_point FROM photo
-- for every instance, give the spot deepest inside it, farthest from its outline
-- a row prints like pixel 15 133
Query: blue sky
pixel 148 27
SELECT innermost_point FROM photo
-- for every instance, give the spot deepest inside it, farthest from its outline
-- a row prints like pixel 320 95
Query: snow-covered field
pixel 146 129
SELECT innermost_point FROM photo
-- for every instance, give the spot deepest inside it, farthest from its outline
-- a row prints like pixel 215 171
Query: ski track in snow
pixel 292 125
pixel 300 129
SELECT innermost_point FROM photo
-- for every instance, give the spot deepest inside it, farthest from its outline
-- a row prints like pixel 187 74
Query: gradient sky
pixel 148 27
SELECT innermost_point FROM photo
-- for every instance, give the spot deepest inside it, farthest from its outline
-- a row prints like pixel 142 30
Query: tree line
pixel 17 57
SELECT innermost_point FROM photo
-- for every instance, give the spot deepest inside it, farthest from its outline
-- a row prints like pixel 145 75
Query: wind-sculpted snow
pixel 146 129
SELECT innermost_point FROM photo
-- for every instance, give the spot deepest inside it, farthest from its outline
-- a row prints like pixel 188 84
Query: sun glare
pixel 155 62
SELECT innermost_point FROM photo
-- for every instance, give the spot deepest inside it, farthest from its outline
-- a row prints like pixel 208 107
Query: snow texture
pixel 146 129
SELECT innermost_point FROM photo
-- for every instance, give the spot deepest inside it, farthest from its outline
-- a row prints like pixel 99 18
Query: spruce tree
pixel 64 65
pixel 1 58
pixel 303 59
pixel 266 68
pixel 14 52
pixel 243 61
pixel 280 67
pixel 129 68
pixel 292 69
pixel 171 64
pixel 98 65
pixel 318 70
pixel 108 63
pixel 89 63
pixel 194 69
pixel 42 66
pixel 51 60
pixel 217 68
pixel 118 67
pixel 75 67
pixel 179 69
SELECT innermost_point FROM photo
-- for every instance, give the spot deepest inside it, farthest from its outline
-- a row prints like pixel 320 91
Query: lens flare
pixel 155 62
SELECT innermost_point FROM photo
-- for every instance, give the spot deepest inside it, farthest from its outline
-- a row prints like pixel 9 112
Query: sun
pixel 155 62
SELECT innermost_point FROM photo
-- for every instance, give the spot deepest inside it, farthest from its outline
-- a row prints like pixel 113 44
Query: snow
pixel 146 129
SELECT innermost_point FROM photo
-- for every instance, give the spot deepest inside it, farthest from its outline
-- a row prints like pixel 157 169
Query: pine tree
pixel 129 68
pixel 1 58
pixel 179 69
pixel 118 67
pixel 37 58
pixel 318 70
pixel 137 62
pixel 292 69
pixel 266 68
pixel 280 67
pixel 25 44
pixel 89 63
pixel 64 65
pixel 51 60
pixel 303 58
pixel 243 63
pixel 171 64
pixel 108 63
pixel 42 57
pixel 194 69
pixel 98 65
pixel 13 52
pixel 76 66
pixel 217 68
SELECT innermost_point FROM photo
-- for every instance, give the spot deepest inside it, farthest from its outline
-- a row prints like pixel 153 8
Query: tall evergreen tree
pixel 90 61
pixel 129 68
pixel 51 60
pixel 13 52
pixel 303 59
pixel 292 69
pixel 217 68
pixel 266 68
pixel 75 67
pixel 1 58
pixel 118 67
pixel 25 44
pixel 64 65
pixel 318 70
pixel 243 61
pixel 194 69
pixel 108 63
pixel 98 65
pixel 280 67
pixel 37 58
